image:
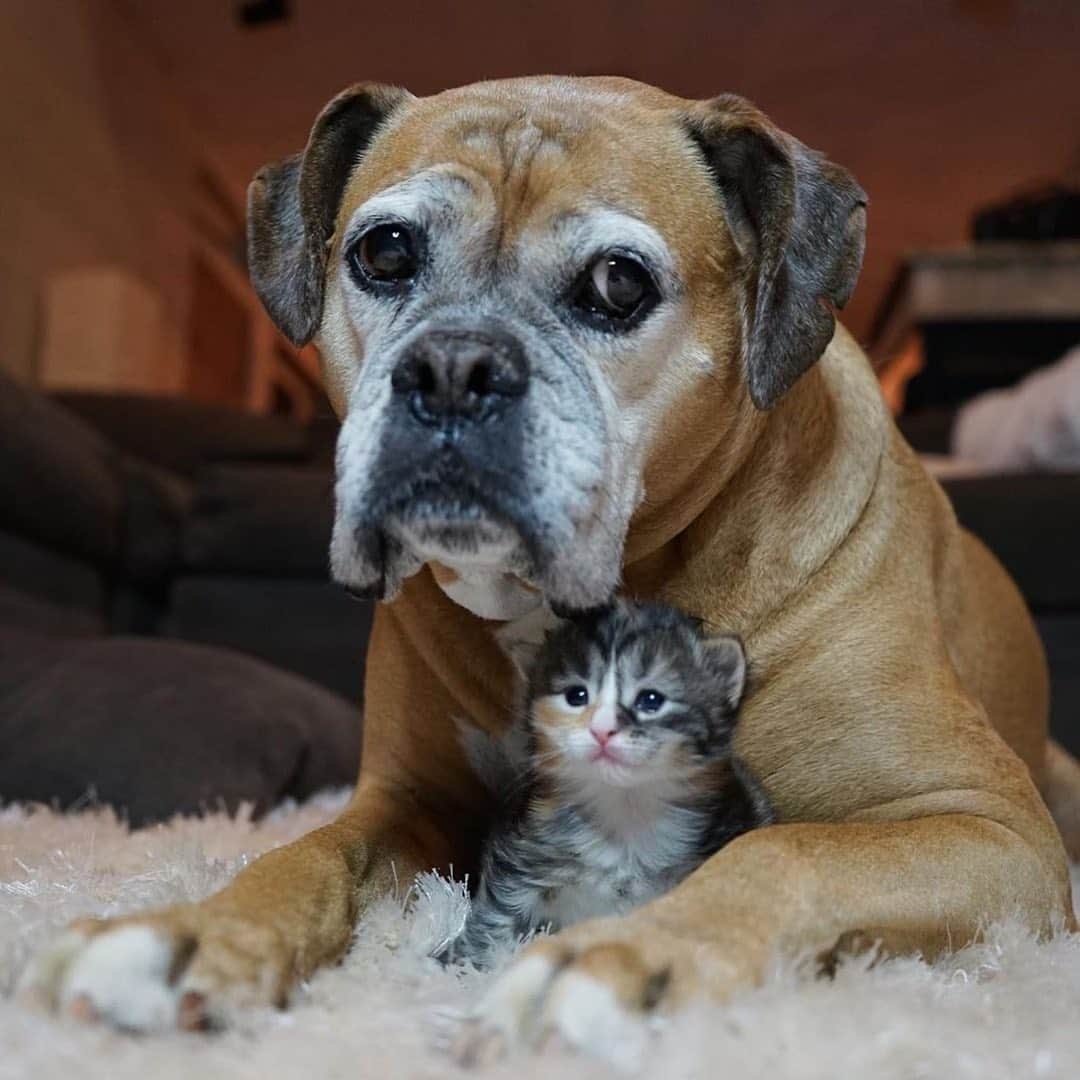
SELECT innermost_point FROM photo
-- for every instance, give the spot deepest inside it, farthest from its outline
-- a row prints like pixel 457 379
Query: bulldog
pixel 581 337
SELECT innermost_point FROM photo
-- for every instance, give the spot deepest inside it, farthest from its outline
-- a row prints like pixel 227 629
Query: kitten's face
pixel 634 695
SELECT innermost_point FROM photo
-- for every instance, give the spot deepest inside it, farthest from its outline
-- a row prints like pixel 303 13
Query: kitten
pixel 629 781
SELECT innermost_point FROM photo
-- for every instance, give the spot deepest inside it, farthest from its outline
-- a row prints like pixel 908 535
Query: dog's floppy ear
pixel 292 207
pixel 799 222
pixel 523 638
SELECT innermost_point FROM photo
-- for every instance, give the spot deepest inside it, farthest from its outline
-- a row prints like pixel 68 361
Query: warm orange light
pixel 904 364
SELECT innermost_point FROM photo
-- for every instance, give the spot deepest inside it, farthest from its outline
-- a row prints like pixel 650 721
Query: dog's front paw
pixel 179 968
pixel 589 994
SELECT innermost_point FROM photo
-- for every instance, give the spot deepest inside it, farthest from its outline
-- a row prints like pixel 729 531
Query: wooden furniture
pixel 984 316
pixel 105 330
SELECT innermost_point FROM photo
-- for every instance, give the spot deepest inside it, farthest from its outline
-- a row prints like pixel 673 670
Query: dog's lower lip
pixel 452 516
pixel 443 498
pixel 444 508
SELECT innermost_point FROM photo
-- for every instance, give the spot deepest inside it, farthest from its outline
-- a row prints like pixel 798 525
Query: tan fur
pixel 546 717
pixel 898 705
pixel 444 575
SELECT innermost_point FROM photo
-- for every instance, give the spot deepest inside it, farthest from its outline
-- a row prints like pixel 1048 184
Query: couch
pixel 161 648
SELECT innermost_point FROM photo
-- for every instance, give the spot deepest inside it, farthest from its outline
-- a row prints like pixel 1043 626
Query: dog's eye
pixel 649 701
pixel 384 253
pixel 616 289
pixel 576 696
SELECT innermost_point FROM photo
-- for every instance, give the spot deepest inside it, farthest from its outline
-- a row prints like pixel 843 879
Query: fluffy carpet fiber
pixel 1006 1008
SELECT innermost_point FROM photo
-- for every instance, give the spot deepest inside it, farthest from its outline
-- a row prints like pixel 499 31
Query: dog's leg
pixel 925 884
pixel 290 911
pixel 295 908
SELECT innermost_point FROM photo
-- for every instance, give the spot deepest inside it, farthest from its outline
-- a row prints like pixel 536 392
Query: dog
pixel 581 336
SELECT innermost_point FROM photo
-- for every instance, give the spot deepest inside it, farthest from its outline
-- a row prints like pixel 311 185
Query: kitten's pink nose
pixel 601 731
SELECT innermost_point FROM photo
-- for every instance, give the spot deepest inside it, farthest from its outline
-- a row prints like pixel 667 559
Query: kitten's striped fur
pixel 589 836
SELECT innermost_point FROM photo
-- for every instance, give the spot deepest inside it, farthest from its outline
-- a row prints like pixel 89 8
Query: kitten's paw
pixel 594 999
pixel 180 968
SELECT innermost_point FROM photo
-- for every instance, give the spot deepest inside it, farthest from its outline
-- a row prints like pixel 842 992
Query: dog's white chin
pixel 492 594
pixel 487 565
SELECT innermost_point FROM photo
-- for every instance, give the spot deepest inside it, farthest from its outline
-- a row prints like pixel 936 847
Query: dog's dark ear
pixel 292 207
pixel 799 222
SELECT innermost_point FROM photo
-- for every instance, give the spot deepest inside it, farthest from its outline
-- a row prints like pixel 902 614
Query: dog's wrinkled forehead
pixel 514 130
pixel 532 160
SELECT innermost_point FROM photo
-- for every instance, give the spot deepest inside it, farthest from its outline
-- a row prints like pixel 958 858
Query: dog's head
pixel 518 288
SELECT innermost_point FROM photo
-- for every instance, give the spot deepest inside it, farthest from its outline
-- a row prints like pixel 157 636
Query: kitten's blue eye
pixel 576 696
pixel 649 701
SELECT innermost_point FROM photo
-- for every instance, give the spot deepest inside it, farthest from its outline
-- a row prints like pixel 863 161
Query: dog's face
pixel 517 287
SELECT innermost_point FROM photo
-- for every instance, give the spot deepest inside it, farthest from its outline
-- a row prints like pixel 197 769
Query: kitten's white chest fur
pixel 633 845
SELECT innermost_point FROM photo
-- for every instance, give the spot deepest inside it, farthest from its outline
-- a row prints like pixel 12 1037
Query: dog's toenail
pixel 81 1008
pixel 191 1012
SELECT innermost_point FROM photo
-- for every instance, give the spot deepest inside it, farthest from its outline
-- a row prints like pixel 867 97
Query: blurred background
pixel 166 456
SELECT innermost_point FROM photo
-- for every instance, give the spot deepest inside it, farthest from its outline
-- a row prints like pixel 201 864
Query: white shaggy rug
pixel 1008 1008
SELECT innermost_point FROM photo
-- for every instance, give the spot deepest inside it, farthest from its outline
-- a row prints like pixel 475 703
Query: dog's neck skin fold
pixel 759 518
pixel 709 502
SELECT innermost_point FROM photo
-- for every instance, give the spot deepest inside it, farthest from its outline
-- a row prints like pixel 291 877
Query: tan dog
pixel 580 334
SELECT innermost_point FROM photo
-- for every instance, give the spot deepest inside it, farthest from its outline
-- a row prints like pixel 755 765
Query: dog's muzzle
pixel 449 481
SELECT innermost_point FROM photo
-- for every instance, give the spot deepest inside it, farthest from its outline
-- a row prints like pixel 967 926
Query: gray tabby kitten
pixel 629 781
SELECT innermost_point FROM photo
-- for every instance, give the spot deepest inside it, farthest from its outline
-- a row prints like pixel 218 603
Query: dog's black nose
pixel 461 373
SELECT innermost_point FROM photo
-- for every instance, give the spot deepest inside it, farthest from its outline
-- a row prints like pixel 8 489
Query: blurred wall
pixel 99 155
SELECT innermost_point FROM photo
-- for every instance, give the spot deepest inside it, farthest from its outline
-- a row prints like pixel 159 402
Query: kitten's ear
pixel 727 658
pixel 522 639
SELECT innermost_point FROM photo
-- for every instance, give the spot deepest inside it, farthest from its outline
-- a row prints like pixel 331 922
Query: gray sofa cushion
pixel 311 627
pixel 64 583
pixel 157 727
pixel 1061 637
pixel 261 520
pixel 1031 522
pixel 42 615
pixel 59 484
pixel 155 510
pixel 182 435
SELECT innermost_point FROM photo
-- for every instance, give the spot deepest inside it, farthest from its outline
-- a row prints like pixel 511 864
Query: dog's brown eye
pixel 616 289
pixel 620 283
pixel 385 253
